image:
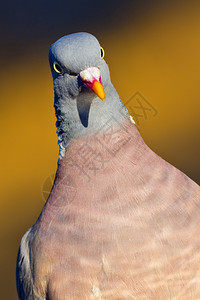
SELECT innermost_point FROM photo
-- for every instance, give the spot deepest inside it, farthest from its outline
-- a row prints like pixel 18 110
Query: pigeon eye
pixel 102 53
pixel 57 68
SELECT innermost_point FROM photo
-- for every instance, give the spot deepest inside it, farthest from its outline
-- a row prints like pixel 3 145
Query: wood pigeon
pixel 120 222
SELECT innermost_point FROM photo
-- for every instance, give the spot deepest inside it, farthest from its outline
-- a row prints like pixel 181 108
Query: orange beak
pixel 97 88
pixel 92 79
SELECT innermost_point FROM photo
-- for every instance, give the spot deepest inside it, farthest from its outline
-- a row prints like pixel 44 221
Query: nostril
pixel 73 74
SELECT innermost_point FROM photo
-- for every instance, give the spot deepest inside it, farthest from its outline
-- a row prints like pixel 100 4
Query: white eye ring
pixel 102 52
pixel 57 68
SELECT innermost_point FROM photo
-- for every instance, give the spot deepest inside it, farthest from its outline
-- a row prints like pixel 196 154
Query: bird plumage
pixel 120 222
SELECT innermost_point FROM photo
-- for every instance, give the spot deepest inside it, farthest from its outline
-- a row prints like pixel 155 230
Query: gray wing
pixel 24 278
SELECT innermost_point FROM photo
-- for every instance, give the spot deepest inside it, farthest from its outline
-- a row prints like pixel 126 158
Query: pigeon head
pixel 84 96
pixel 77 64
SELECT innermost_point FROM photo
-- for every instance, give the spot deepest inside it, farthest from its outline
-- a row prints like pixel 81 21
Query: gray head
pixel 81 81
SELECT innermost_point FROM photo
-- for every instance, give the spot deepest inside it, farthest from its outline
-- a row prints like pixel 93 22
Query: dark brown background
pixel 151 46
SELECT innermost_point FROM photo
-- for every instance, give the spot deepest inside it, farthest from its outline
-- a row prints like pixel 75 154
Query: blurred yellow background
pixel 152 47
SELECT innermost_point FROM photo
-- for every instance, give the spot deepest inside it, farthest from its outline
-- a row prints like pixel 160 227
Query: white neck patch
pixel 132 121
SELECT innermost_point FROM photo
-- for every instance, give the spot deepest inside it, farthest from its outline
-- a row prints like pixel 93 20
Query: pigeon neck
pixel 87 115
pixel 93 155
